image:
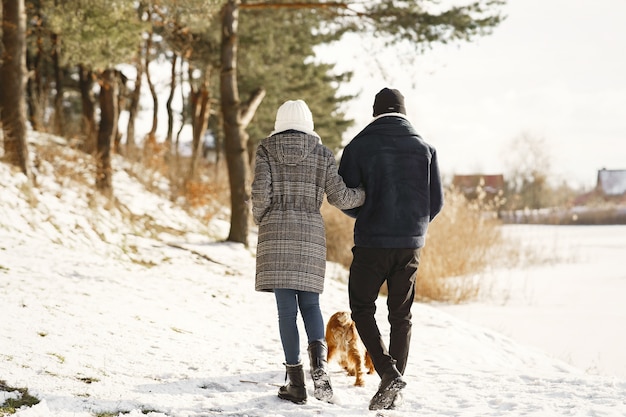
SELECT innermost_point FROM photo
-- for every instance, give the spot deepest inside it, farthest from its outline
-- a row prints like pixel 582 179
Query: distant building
pixel 611 182
pixel 469 185
pixel 610 187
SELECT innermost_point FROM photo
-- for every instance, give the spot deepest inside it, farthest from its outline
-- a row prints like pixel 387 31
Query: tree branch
pixel 248 109
pixel 295 5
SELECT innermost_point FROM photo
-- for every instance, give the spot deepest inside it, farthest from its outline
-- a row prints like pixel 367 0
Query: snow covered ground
pixel 100 317
pixel 572 309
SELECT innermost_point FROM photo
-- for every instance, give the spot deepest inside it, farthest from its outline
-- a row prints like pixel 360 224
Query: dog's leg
pixel 369 364
pixel 355 356
pixel 332 348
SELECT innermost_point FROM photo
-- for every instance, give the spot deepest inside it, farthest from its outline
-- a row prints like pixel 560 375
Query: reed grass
pixel 462 242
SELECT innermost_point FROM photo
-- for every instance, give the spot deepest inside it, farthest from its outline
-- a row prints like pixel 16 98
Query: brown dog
pixel 344 341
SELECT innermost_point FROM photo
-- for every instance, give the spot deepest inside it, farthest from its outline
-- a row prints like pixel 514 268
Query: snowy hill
pixel 139 309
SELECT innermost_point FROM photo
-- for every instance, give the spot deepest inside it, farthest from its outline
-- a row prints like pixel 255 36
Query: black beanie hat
pixel 389 101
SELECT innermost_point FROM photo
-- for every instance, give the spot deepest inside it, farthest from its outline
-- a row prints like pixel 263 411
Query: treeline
pixel 70 67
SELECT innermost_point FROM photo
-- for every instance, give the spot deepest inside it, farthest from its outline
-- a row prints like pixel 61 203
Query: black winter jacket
pixel 402 183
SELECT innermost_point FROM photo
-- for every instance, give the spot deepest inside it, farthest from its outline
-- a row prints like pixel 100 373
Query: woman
pixel 293 172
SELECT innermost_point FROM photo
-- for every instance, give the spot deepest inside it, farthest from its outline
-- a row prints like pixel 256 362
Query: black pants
pixel 369 270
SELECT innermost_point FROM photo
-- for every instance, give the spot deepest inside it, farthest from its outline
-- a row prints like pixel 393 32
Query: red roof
pixel 490 183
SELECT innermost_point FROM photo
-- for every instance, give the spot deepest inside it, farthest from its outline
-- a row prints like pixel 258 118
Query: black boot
pixel 388 391
pixel 318 352
pixel 294 390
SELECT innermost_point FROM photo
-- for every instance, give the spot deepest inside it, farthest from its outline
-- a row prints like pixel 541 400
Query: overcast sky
pixel 554 70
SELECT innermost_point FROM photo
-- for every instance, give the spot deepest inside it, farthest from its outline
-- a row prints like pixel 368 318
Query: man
pixel 404 194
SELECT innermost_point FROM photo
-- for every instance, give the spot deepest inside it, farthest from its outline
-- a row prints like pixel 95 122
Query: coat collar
pixel 390 114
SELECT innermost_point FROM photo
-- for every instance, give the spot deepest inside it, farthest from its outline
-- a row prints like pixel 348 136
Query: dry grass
pixel 461 244
pixel 23 399
pixel 67 164
pixel 203 196
pixel 206 196
pixel 159 173
pixel 339 235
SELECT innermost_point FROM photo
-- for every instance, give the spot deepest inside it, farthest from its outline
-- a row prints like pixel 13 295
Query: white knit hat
pixel 294 114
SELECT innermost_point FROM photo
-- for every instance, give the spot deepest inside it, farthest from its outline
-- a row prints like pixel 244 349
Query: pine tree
pixel 399 20
pixel 97 36
pixel 276 52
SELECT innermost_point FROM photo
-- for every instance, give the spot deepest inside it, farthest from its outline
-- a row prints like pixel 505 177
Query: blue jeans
pixel 288 302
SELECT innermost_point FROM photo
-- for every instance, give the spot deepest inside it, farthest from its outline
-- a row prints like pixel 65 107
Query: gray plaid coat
pixel 293 171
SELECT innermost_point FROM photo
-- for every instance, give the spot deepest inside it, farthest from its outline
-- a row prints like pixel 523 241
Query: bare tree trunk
pixel 108 116
pixel 234 136
pixel 168 105
pixel 183 116
pixel 155 99
pixel 121 81
pixel 85 84
pixel 236 117
pixel 13 74
pixel 59 113
pixel 199 99
pixel 133 108
pixel 33 90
